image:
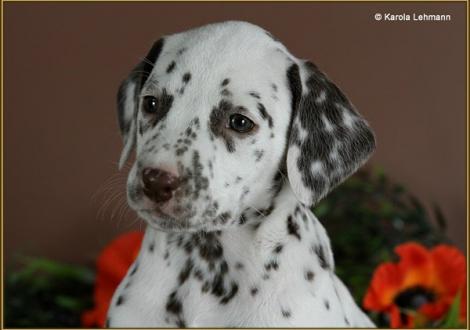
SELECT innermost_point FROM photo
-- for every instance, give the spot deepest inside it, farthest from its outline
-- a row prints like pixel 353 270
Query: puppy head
pixel 220 116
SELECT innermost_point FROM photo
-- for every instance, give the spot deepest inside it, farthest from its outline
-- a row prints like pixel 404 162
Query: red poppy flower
pixel 424 283
pixel 112 266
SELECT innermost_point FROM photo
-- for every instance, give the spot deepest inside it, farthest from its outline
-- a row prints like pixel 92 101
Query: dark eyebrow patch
pixel 171 67
pixel 265 115
pixel 216 119
pixel 255 95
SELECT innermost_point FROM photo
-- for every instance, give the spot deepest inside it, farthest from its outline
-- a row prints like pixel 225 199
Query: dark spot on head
pixel 327 304
pixel 264 114
pixel 255 95
pixel 225 82
pixel 171 67
pixel 258 155
pixel 309 275
pixel 254 291
pixel 271 265
pixel 274 87
pixel 186 77
pixel 278 248
pixel 239 265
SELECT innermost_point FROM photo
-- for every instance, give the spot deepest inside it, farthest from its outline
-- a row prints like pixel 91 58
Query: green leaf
pixel 452 320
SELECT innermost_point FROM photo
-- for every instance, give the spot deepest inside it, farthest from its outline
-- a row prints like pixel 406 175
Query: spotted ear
pixel 128 99
pixel 328 139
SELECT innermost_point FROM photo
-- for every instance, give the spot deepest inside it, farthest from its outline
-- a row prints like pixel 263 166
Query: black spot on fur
pixel 224 217
pixel 320 252
pixel 225 82
pixel 171 67
pixel 218 288
pixel 205 287
pixel 120 300
pixel 186 271
pixel 293 227
pixel 254 291
pixel 327 304
pixel 186 77
pixel 264 114
pixel 232 293
pixel 286 313
pixel 278 248
pixel 173 305
pixel 151 247
pixel 134 269
pixel 255 95
pixel 271 265
pixel 239 265
pixel 242 219
pixel 258 155
pixel 309 275
pixel 265 212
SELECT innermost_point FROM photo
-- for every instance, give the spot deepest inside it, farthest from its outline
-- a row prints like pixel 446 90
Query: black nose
pixel 158 184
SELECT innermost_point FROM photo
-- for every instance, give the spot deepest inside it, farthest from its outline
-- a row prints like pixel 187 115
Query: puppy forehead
pixel 215 51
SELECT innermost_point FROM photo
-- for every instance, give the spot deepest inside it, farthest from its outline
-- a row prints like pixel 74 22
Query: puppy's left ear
pixel 128 99
pixel 328 140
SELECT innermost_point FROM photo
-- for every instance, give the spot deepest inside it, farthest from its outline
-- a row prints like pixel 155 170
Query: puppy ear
pixel 128 99
pixel 328 140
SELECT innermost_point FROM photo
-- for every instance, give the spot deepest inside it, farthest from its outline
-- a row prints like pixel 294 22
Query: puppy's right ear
pixel 128 99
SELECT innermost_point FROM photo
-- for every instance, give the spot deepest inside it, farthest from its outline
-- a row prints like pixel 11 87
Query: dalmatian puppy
pixel 235 140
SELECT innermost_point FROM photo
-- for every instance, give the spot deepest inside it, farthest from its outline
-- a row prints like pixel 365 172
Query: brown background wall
pixel 63 63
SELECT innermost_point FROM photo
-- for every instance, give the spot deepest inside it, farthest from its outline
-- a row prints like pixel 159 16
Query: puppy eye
pixel 240 123
pixel 150 104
